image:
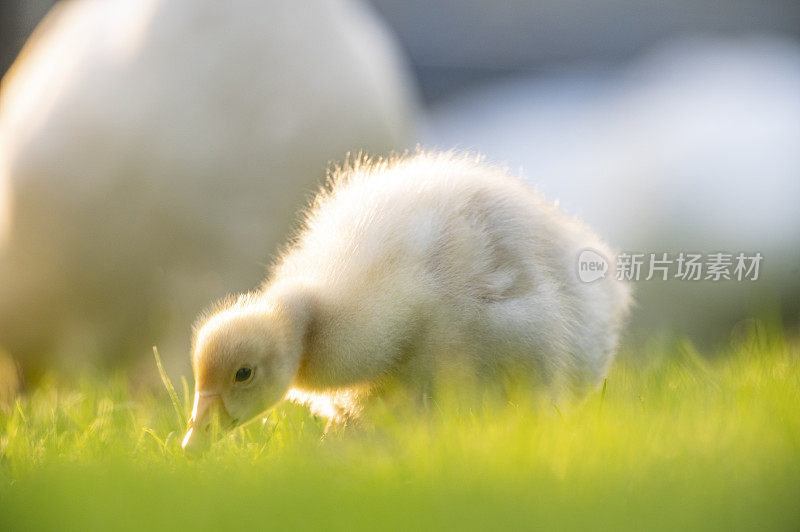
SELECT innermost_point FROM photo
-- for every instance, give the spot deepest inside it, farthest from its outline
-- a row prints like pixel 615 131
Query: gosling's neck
pixel 297 308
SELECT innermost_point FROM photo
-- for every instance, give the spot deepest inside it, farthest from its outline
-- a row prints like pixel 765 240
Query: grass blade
pixel 188 399
pixel 170 389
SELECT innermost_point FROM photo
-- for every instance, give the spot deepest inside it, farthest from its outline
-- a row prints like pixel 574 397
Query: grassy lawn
pixel 676 440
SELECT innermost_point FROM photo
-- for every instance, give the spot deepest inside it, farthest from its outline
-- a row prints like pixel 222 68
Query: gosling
pixel 404 267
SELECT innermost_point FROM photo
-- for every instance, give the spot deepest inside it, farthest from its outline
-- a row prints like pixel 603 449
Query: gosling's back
pixel 439 256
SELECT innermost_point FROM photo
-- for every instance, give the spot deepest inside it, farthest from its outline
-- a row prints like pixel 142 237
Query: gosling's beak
pixel 207 407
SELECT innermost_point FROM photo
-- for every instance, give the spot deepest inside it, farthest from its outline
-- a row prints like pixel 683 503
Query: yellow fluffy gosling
pixel 402 268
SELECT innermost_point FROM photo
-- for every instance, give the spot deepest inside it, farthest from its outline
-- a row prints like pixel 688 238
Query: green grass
pixel 676 440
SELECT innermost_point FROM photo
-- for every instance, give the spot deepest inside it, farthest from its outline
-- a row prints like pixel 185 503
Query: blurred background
pixel 155 151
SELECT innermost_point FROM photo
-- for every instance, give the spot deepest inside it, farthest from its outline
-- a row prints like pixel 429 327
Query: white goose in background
pixel 156 151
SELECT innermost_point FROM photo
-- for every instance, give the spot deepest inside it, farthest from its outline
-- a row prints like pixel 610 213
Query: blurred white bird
pixel 404 268
pixel 155 150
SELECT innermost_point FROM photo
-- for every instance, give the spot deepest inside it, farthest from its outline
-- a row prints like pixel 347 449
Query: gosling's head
pixel 245 358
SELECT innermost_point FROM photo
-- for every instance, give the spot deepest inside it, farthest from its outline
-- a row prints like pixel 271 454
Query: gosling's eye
pixel 243 374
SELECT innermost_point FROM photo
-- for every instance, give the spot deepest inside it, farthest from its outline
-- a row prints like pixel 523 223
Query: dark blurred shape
pixel 453 43
pixel 17 20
